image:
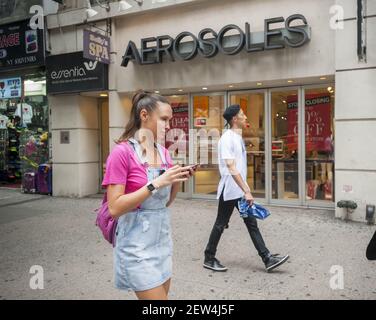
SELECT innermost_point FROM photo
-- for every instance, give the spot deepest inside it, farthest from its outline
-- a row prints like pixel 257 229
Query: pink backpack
pixel 106 223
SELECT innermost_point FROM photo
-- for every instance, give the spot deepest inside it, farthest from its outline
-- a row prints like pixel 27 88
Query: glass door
pixel 319 145
pixel 253 105
pixel 284 144
pixel 177 141
pixel 208 125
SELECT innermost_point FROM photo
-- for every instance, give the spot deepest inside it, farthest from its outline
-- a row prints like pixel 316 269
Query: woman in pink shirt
pixel 141 183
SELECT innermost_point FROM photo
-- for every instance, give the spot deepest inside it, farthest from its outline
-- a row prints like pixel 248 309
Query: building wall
pixel 75 165
pixel 355 113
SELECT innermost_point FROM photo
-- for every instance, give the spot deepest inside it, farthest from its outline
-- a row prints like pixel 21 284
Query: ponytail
pixel 141 100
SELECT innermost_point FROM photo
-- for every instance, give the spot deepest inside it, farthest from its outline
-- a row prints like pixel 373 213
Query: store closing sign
pixel 154 49
pixel 317 118
pixel 96 47
pixel 179 126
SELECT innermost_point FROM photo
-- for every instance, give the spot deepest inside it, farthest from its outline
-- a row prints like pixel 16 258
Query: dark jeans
pixel 225 209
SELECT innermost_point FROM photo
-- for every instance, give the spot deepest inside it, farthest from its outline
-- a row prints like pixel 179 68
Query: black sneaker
pixel 214 264
pixel 274 261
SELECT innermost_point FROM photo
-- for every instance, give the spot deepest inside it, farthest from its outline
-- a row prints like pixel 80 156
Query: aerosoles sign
pixel 208 42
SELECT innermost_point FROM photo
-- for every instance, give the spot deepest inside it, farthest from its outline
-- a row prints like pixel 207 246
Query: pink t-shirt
pixel 123 167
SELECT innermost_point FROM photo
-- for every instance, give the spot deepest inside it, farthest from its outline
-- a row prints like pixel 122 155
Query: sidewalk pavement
pixel 59 234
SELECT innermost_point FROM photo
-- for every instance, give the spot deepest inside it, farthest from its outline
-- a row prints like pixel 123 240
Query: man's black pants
pixel 225 210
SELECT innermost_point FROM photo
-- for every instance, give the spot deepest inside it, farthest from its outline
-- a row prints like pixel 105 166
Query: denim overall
pixel 143 250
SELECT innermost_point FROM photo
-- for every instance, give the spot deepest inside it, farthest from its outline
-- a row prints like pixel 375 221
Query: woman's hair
pixel 141 100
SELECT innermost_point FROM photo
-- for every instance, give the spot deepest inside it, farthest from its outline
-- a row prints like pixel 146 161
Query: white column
pixel 75 164
pixel 355 114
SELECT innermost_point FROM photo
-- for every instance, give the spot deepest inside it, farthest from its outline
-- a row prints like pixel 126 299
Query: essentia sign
pixel 73 73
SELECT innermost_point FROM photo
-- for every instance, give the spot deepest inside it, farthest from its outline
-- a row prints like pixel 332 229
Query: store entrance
pixel 208 124
pixel 253 106
pixel 289 143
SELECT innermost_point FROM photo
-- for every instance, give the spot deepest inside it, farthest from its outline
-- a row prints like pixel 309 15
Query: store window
pixel 252 105
pixel 284 144
pixel 319 143
pixel 23 129
pixel 177 138
pixel 208 124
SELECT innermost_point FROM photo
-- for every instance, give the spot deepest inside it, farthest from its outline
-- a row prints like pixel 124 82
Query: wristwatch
pixel 152 188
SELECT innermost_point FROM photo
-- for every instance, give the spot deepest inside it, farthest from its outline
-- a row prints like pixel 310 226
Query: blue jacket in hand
pixel 256 210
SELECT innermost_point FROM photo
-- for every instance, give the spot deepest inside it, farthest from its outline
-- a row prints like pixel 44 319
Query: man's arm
pixel 231 166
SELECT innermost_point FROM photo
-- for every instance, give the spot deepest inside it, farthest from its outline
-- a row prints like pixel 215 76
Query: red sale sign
pixel 317 121
pixel 180 118
pixel 179 125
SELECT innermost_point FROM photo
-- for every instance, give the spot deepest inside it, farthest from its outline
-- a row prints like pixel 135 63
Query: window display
pixel 284 144
pixel 24 136
pixel 177 137
pixel 319 142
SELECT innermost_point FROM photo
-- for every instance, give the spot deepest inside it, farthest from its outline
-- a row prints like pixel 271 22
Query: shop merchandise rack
pixel 3 154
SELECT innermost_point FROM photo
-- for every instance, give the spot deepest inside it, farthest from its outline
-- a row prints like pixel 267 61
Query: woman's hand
pixel 172 175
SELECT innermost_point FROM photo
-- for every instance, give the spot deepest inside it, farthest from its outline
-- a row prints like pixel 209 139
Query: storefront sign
pixel 180 119
pixel 154 49
pixel 179 125
pixel 73 73
pixel 10 88
pixel 96 47
pixel 317 118
pixel 20 46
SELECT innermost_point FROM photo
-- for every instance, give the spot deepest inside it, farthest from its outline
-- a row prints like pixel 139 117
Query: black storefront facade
pixel 24 111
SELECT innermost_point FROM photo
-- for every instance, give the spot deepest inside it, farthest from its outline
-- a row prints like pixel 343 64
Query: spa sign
pixel 96 47
pixel 208 42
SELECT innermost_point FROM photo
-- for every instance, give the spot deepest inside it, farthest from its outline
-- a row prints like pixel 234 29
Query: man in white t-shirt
pixel 232 159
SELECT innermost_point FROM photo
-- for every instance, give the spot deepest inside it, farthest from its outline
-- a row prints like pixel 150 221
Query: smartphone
pixel 194 166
